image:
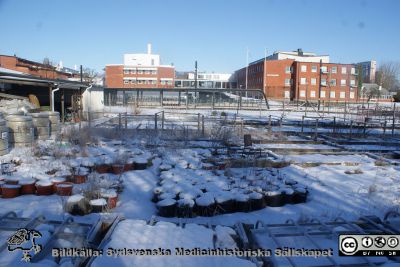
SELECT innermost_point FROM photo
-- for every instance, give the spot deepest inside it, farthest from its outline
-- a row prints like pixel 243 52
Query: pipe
pixel 52 97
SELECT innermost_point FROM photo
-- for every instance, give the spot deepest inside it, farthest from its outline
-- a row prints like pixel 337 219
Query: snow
pixel 138 235
pixel 98 202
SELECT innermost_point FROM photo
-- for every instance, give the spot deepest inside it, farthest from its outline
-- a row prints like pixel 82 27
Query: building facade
pixel 204 80
pixel 295 79
pixel 140 71
pixel 35 68
pixel 368 69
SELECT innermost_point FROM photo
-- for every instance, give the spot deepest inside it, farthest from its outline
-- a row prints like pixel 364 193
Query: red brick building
pixel 34 68
pixel 295 79
pixel 140 71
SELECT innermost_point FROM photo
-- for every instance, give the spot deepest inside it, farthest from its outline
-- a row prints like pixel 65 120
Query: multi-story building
pixel 204 80
pixel 35 68
pixel 302 77
pixel 140 71
pixel 368 69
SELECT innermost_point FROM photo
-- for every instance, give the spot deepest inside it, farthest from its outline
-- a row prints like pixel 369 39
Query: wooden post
pixel 384 129
pixel 394 117
pixel 365 127
pixel 269 124
pixel 302 123
pixel 162 119
pixel 119 121
pixel 198 122
pixel 334 125
pixel 155 121
pixel 316 130
pixel 351 128
pixel 126 120
pixel 202 125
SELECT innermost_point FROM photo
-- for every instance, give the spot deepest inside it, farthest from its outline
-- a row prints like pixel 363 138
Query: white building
pixel 299 55
pixel 204 80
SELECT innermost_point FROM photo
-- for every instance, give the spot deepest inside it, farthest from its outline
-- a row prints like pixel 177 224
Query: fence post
pixel 351 128
pixel 155 121
pixel 198 122
pixel 334 125
pixel 119 121
pixel 365 127
pixel 384 129
pixel 162 120
pixel 316 130
pixel 394 117
pixel 202 125
pixel 90 120
pixel 126 120
pixel 302 123
pixel 269 124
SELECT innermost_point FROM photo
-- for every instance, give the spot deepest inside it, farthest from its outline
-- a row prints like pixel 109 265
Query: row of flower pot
pixel 79 205
pixel 14 188
pixel 120 168
pixel 210 205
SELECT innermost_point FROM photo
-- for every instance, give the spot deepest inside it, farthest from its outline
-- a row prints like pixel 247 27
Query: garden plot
pixel 138 235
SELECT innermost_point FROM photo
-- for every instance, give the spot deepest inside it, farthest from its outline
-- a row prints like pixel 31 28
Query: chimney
pixel 149 48
pixel 300 52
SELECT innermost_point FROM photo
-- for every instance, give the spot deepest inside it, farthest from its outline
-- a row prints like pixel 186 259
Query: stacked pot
pixel 20 130
pixel 3 137
pixel 41 124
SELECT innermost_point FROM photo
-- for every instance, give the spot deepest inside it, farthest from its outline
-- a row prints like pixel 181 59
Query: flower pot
pixel 27 186
pixel 256 201
pixel 64 188
pixel 300 195
pixel 273 199
pixel 242 203
pixel 128 167
pixel 11 180
pixel 205 205
pixel 167 207
pixel 287 195
pixel 225 203
pixel 185 208
pixel 80 178
pixel 98 205
pixel 112 198
pixel 118 168
pixel 44 188
pixel 102 168
pixel 10 190
pixel 1 185
pixel 56 181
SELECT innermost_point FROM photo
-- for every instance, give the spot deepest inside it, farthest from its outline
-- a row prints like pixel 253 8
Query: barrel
pixel 54 118
pixel 20 130
pixel 3 137
pixel 41 124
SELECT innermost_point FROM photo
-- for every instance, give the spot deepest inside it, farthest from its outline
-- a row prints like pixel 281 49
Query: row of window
pixel 324 69
pixel 303 81
pixel 139 71
pixel 162 82
pixel 323 94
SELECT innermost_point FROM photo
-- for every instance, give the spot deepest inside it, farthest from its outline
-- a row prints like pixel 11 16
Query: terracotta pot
pixel 118 168
pixel 80 178
pixel 128 167
pixel 44 188
pixel 56 181
pixel 1 185
pixel 112 199
pixel 64 188
pixel 11 180
pixel 98 205
pixel 103 168
pixel 10 190
pixel 27 187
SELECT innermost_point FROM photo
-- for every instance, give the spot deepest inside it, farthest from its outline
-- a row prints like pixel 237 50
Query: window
pixel 332 94
pixel 342 94
pixel 287 69
pixel 133 71
pixel 140 81
pixel 133 81
pixel 303 68
pixel 126 82
pixel 162 82
pixel 169 82
pixel 344 70
pixel 126 71
pixel 322 93
pixel 342 82
pixel 153 72
pixel 323 81
pixel 146 72
pixel 303 81
pixel 324 69
pixel 351 94
pixel 287 94
pixel 334 69
pixel 353 71
pixel 312 93
pixel 287 81
pixel 333 82
pixel 313 68
pixel 313 81
pixel 152 61
pixel 140 71
pixel 302 93
pixel 352 82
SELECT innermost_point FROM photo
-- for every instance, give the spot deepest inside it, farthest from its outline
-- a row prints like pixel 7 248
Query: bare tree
pixel 89 75
pixel 387 75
